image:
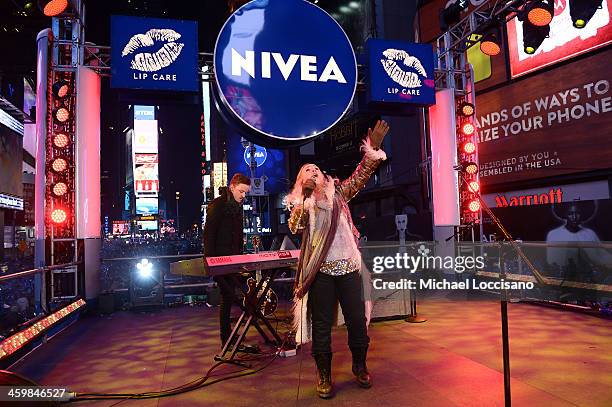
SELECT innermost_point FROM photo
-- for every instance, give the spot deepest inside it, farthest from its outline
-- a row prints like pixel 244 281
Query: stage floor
pixel 558 358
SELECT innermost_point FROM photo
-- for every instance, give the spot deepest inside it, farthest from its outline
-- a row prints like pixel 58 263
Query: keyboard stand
pixel 251 315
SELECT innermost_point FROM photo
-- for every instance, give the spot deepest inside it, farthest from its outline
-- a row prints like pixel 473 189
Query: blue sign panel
pixel 154 53
pixel 272 168
pixel 285 69
pixel 260 155
pixel 401 72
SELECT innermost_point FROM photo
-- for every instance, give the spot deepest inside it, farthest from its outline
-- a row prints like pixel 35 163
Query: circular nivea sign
pixel 260 155
pixel 285 69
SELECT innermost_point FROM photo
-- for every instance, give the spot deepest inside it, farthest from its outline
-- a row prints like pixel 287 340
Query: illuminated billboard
pixel 564 40
pixel 147 206
pixel 146 175
pixel 145 136
pixel 147 225
pixel 121 227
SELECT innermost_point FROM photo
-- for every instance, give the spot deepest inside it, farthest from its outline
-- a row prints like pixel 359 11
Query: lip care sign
pixel 153 53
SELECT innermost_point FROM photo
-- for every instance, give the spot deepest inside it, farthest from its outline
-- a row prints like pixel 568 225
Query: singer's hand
pixel 377 135
pixel 308 186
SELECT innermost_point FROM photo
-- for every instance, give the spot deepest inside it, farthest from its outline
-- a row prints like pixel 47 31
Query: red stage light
pixel 466 109
pixel 471 168
pixel 52 8
pixel 59 165
pixel 61 140
pixel 61 89
pixel 60 189
pixel 468 129
pixel 61 114
pixel 473 186
pixel 474 206
pixel 490 46
pixel 469 147
pixel 58 216
pixel 542 13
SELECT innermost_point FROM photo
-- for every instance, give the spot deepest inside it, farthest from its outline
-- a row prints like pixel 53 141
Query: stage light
pixel 61 140
pixel 60 189
pixel 474 205
pixel 533 37
pixel 59 165
pixel 541 12
pixel 581 11
pixel 468 129
pixel 470 168
pixel 466 109
pixel 469 147
pixel 58 216
pixel 61 114
pixel 52 8
pixel 145 268
pixel 473 186
pixel 489 44
pixel 61 89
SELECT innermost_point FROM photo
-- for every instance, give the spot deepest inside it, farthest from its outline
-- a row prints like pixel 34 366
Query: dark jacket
pixel 223 230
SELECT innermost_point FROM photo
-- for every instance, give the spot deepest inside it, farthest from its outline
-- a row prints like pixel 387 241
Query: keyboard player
pixel 223 236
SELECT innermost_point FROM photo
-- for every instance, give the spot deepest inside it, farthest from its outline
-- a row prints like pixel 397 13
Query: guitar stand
pixel 251 315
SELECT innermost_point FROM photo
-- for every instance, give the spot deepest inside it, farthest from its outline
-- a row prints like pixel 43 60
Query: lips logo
pixel 407 79
pixel 147 62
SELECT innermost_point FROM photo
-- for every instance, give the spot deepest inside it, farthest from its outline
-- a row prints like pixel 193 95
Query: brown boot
pixel 324 383
pixel 360 370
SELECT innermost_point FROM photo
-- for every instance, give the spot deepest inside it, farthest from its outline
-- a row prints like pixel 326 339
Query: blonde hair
pixel 296 196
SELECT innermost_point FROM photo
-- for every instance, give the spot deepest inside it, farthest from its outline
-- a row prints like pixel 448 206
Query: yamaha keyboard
pixel 222 265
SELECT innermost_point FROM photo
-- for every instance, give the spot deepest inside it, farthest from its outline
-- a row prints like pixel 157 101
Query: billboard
pixel 146 175
pixel 547 125
pixel 154 53
pixel 564 40
pixel 401 72
pixel 121 227
pixel 11 163
pixel 145 136
pixel 147 206
pixel 147 225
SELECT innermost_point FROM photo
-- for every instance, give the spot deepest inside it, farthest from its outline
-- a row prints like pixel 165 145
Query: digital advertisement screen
pixel 146 175
pixel 147 206
pixel 147 225
pixel 564 41
pixel 271 164
pixel 548 124
pixel 121 227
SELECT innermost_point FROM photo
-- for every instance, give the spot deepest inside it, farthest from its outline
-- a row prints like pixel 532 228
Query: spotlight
pixel 468 129
pixel 469 147
pixel 473 186
pixel 52 8
pixel 474 205
pixel 58 216
pixel 582 11
pixel 60 189
pixel 59 165
pixel 540 13
pixel 533 37
pixel 61 140
pixel 61 89
pixel 470 168
pixel 466 109
pixel 490 44
pixel 145 268
pixel 61 114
